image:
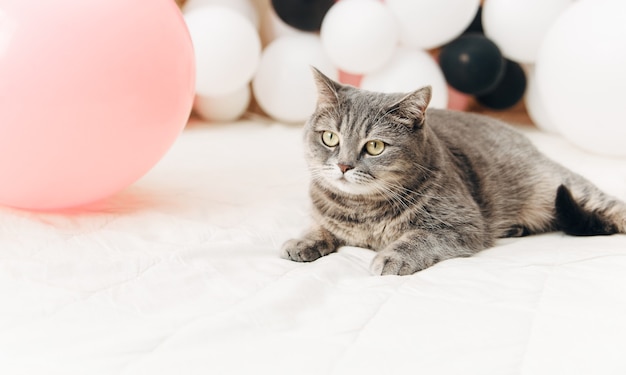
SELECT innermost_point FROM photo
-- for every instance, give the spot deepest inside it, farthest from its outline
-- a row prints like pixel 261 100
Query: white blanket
pixel 180 274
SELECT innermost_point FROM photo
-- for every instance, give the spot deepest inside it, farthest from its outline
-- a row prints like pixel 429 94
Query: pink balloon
pixel 350 79
pixel 457 100
pixel 92 94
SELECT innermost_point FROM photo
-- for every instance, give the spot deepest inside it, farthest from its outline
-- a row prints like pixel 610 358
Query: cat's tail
pixel 593 215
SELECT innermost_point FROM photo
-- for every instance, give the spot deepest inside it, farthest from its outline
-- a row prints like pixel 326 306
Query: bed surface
pixel 181 274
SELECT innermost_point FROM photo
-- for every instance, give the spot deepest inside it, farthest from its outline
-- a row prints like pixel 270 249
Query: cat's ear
pixel 411 109
pixel 327 89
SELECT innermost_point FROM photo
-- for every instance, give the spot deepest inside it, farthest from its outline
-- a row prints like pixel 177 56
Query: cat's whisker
pixel 398 186
pixel 400 197
pixel 408 199
pixel 396 200
pixel 400 201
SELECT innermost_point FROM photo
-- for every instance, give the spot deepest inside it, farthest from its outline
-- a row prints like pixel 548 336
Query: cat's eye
pixel 330 139
pixel 375 148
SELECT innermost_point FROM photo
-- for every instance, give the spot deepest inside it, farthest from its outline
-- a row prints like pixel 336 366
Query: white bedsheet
pixel 180 274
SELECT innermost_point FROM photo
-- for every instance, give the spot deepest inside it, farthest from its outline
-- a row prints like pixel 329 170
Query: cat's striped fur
pixel 447 184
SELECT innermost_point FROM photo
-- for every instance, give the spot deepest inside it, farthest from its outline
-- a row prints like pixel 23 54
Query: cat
pixel 420 186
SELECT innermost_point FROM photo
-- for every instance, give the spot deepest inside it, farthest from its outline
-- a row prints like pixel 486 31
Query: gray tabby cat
pixel 422 186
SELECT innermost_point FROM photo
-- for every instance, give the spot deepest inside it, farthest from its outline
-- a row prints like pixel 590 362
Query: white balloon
pixel 245 7
pixel 359 36
pixel 580 75
pixel 428 24
pixel 519 26
pixel 223 108
pixel 535 104
pixel 283 86
pixel 227 49
pixel 409 70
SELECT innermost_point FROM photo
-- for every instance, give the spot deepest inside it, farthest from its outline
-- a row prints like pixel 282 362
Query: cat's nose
pixel 344 167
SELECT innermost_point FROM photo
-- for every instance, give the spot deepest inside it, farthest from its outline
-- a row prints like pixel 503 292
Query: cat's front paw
pixel 392 262
pixel 305 250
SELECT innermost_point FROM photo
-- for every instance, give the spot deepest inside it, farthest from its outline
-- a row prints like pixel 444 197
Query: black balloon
pixel 510 90
pixel 472 64
pixel 306 15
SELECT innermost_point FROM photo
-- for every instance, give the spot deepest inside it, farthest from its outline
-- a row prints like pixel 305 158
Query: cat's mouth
pixel 345 184
pixel 342 181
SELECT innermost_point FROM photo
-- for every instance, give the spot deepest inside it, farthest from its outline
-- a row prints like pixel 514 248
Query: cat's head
pixel 361 142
